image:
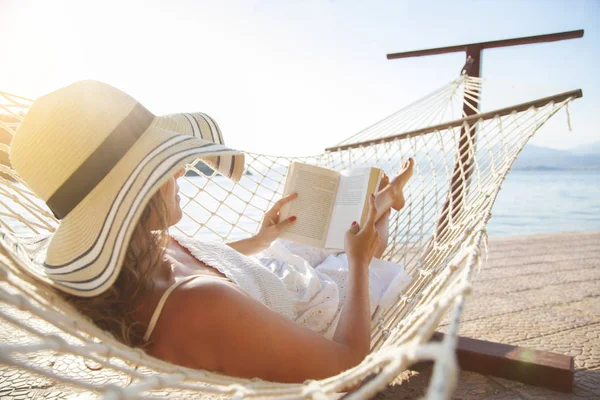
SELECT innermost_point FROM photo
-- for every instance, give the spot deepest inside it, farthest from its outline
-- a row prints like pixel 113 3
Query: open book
pixel 328 201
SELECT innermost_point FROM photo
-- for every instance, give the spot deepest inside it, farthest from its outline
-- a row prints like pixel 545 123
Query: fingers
pixel 286 199
pixel 375 238
pixel 372 212
pixel 285 223
pixel 279 203
pixel 354 228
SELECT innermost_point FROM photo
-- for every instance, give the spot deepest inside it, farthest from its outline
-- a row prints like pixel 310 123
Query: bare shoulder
pixel 200 296
pixel 189 319
pixel 207 290
pixel 215 325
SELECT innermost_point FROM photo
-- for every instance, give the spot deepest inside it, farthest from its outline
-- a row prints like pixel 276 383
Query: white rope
pixel 438 236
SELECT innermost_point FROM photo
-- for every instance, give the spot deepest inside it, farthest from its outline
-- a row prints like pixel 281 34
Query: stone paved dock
pixel 540 292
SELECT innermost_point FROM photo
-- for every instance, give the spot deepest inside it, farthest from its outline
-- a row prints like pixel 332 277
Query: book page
pixel 348 206
pixel 316 188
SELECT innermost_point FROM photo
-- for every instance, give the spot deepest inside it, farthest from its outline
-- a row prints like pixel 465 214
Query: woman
pixel 108 168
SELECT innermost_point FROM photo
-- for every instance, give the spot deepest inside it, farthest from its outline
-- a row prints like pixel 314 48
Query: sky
pixel 294 77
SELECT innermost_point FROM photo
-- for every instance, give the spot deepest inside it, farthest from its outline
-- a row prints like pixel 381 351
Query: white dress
pixel 303 283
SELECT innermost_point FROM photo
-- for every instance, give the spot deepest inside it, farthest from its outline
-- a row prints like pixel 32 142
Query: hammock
pixel 461 164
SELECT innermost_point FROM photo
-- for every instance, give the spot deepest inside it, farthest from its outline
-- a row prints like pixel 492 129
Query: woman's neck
pixel 159 270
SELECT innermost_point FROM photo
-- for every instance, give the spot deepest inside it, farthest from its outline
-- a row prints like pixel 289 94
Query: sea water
pixel 534 202
pixel 530 202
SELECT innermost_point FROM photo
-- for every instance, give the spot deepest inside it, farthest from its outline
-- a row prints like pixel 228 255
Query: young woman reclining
pixel 258 307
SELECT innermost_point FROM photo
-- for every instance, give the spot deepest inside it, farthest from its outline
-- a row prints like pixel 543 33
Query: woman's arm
pixel 224 329
pixel 249 246
pixel 360 244
pixel 270 229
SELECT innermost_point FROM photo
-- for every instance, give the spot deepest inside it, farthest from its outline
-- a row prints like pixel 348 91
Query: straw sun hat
pixel 96 156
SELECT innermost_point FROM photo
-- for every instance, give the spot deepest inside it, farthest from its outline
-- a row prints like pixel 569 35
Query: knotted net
pixel 461 162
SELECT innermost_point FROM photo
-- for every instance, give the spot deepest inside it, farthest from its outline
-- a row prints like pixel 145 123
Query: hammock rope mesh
pixel 438 237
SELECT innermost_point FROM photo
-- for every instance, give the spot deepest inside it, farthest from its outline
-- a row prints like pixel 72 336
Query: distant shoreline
pixel 555 169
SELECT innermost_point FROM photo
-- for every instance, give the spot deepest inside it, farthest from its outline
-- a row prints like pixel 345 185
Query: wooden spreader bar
pixel 540 368
pixel 552 37
pixel 468 120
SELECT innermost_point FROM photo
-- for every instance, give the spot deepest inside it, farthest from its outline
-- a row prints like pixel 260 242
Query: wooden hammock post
pixel 547 369
pixel 466 144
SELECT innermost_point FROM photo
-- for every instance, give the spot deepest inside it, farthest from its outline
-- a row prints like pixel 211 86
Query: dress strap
pixel 161 304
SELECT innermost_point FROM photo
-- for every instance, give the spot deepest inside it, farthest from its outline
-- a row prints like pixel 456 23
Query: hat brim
pixel 86 252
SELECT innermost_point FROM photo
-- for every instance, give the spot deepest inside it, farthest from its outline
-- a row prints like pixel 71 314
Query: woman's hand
pixel 361 242
pixel 271 227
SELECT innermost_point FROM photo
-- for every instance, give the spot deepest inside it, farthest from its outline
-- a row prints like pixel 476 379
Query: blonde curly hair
pixel 114 310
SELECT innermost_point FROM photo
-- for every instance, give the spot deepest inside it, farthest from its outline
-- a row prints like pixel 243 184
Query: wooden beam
pixel 540 368
pixel 461 176
pixel 552 37
pixel 469 120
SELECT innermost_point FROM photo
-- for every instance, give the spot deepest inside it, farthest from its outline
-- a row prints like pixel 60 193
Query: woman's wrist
pixel 249 246
pixel 359 262
pixel 260 243
pixel 358 270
